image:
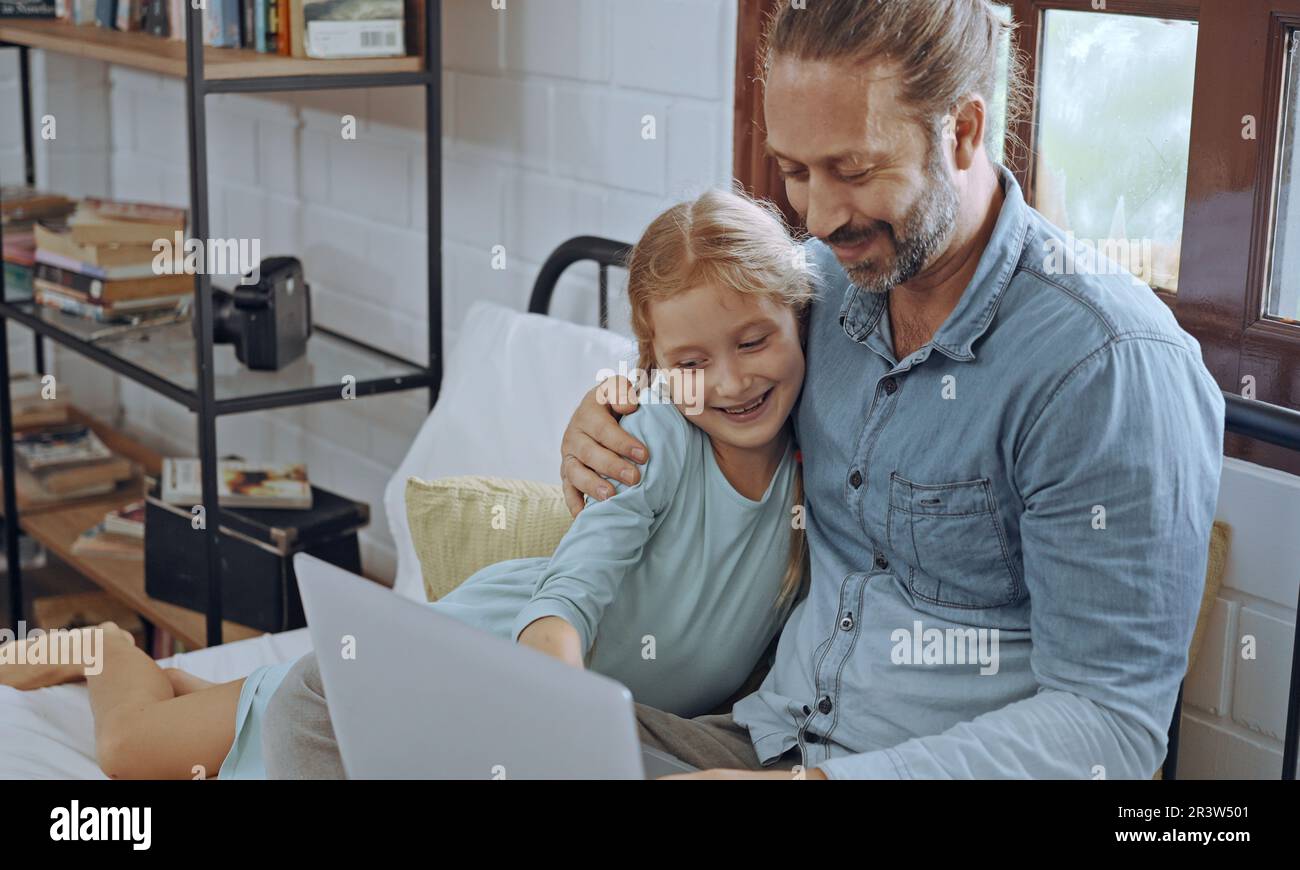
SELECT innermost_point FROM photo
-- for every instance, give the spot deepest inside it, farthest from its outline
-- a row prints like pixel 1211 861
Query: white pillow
pixel 508 390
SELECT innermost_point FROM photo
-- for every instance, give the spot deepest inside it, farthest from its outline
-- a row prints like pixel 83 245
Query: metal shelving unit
pixel 158 362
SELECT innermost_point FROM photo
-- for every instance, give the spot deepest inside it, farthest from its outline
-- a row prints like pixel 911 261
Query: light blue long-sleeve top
pixel 672 584
pixel 1046 467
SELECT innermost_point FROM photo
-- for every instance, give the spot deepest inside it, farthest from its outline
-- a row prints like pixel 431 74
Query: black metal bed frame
pixel 1264 422
pixel 202 399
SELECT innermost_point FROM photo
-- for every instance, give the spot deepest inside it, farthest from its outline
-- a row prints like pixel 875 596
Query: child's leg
pixel 144 730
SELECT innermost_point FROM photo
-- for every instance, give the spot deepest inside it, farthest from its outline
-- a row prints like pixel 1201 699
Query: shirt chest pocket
pixel 952 541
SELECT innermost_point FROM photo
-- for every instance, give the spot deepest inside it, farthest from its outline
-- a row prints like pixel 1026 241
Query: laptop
pixel 415 694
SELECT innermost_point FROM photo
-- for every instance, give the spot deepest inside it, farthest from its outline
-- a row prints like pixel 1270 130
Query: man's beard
pixel 924 229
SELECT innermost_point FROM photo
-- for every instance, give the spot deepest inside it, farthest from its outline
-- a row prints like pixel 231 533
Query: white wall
pixel 1234 701
pixel 543 108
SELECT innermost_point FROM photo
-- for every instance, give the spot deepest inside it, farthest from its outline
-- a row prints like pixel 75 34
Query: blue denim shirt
pixel 1009 528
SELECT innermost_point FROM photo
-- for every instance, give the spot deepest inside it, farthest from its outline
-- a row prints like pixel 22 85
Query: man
pixel 1011 469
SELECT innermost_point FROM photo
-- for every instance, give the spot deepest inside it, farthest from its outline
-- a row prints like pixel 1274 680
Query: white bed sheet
pixel 49 733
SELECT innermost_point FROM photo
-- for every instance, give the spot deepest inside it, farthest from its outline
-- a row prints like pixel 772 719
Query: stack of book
pixel 20 208
pixel 60 463
pixel 102 267
pixel 295 28
pixel 120 535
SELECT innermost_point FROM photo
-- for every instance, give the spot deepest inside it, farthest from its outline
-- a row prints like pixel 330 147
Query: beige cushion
pixel 1220 536
pixel 462 524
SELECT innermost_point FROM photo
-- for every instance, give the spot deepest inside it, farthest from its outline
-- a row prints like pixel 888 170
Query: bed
pixel 48 733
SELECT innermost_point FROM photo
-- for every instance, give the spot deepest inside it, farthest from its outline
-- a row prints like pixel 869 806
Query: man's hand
pixel 723 773
pixel 555 637
pixel 594 445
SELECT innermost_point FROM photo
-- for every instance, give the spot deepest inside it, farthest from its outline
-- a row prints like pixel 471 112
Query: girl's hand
pixel 555 637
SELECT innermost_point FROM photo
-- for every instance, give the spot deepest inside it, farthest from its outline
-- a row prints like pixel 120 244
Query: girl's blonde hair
pixel 724 239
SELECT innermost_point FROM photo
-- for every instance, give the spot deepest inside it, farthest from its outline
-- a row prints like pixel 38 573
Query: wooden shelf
pixel 59 526
pixel 122 578
pixel 157 54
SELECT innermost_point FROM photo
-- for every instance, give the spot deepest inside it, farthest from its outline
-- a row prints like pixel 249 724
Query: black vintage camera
pixel 268 322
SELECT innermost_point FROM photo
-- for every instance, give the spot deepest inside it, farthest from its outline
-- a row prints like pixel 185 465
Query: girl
pixel 674 586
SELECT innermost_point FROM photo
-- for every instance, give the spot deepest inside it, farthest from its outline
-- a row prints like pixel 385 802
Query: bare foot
pixel 184 683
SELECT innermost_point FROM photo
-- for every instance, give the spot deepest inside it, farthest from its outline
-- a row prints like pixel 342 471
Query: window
pixel 1282 296
pixel 998 111
pixel 1114 115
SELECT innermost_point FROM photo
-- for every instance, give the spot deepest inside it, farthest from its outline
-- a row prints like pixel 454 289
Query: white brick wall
pixel 1234 701
pixel 543 110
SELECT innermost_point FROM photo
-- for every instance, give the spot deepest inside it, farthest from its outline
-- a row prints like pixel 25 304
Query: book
pixel 106 13
pixel 116 273
pixel 272 26
pixel 259 25
pixel 84 479
pixel 54 296
pixel 21 207
pixel 18 281
pixel 130 15
pixel 27 9
pixel 283 44
pixel 349 28
pixel 106 261
pixel 128 520
pixel 99 541
pixel 221 24
pixel 83 11
pixel 239 484
pixel 59 447
pixel 155 18
pixel 142 292
pixel 177 11
pixel 20 248
pixel 91 330
pixel 99 222
pixel 297 47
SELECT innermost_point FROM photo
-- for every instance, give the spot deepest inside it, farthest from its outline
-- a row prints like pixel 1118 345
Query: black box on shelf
pixel 257 547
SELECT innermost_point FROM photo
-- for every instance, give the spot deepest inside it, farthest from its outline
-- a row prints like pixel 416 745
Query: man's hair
pixel 946 50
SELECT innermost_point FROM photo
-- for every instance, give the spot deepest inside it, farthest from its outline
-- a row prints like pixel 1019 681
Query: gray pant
pixel 298 739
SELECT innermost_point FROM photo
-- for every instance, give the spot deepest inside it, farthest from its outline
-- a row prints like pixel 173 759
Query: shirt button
pixel 846 624
pixel 825 705
pixel 881 562
pixel 891 386
pixel 856 478
pixel 811 738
